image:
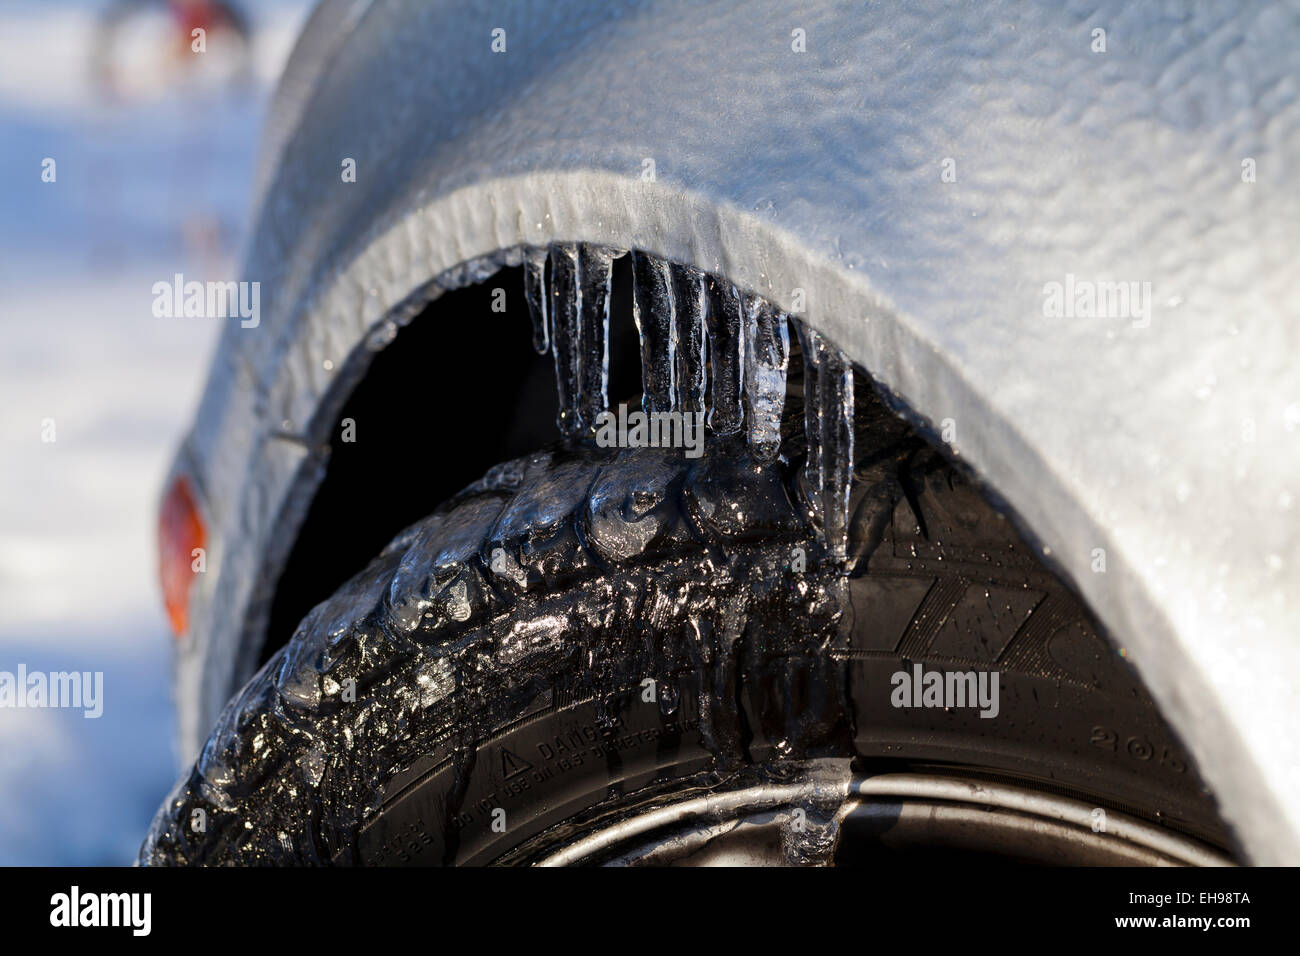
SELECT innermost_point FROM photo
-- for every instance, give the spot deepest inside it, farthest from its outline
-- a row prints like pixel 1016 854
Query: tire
pixel 493 664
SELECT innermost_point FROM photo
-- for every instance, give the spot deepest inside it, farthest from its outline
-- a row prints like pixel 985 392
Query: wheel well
pixel 457 391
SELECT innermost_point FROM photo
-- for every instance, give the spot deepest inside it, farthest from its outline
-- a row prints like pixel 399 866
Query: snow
pixel 145 187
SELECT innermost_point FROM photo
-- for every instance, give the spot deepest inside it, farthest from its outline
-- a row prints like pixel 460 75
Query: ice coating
pixel 813 839
pixel 727 355
pixel 566 346
pixel 535 294
pixel 767 354
pixel 538 580
pixel 655 314
pixel 594 277
pixel 691 298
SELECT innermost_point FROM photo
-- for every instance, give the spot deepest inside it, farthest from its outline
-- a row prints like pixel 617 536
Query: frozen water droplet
pixel 535 294
pixel 434 681
pixel 381 336
pixel 726 350
pixel 669 697
pixel 312 764
pixel 653 310
pixel 565 345
pixel 767 352
pixel 457 602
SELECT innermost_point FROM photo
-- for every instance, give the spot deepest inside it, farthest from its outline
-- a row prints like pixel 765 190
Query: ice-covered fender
pixel 942 181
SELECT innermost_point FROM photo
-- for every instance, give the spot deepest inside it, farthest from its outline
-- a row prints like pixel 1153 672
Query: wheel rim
pixel 878 817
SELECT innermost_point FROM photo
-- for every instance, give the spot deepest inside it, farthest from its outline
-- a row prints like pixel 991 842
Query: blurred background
pixel 153 147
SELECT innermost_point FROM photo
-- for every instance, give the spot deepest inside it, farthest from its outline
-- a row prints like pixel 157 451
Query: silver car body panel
pixel 923 172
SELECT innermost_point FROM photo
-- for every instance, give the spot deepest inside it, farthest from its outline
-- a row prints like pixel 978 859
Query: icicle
pixel 565 344
pixel 653 310
pixel 837 452
pixel 535 294
pixel 836 393
pixel 767 352
pixel 828 419
pixel 691 297
pixel 809 342
pixel 726 354
pixel 594 281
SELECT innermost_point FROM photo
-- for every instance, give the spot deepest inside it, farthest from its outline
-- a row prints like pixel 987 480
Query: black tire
pixel 498 651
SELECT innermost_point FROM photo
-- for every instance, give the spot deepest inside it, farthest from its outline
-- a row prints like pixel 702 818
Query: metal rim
pixel 1039 825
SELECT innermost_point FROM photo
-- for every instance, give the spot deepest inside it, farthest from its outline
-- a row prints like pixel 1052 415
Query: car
pixel 942 362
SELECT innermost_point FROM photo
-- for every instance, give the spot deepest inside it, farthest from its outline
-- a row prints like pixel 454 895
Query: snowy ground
pixel 146 187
